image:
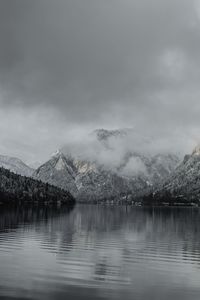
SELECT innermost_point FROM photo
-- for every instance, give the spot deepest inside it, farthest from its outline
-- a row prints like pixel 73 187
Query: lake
pixel 100 252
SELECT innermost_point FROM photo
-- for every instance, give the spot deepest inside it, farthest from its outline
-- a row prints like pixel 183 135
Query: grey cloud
pixel 109 63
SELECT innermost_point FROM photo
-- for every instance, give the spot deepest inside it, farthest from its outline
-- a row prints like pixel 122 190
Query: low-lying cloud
pixel 72 66
pixel 115 152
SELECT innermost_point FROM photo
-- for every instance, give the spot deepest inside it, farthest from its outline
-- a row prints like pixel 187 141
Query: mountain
pixel 59 171
pixel 183 186
pixel 15 189
pixel 87 181
pixel 156 168
pixel 111 174
pixel 134 153
pixel 103 134
pixel 122 134
pixel 15 165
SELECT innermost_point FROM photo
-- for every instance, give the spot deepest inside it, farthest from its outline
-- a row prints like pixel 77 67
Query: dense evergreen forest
pixel 18 189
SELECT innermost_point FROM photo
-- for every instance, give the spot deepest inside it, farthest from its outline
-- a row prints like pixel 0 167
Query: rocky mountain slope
pixel 183 186
pixel 15 165
pixel 17 189
pixel 132 173
pixel 86 180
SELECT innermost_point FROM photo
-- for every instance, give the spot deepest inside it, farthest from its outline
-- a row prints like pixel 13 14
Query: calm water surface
pixel 96 252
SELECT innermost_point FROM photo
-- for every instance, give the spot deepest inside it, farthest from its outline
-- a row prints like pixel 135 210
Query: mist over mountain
pixel 118 164
pixel 87 181
pixel 100 104
pixel 125 151
pixel 106 164
pixel 68 67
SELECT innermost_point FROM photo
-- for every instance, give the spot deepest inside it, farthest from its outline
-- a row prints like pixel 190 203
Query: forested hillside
pixel 16 188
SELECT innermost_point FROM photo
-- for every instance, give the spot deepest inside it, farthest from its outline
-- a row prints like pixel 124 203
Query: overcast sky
pixel 70 66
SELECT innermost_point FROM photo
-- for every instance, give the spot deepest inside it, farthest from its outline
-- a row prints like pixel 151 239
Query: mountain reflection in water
pixel 99 252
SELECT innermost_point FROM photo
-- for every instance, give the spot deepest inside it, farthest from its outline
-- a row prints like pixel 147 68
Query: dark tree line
pixel 167 198
pixel 18 189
